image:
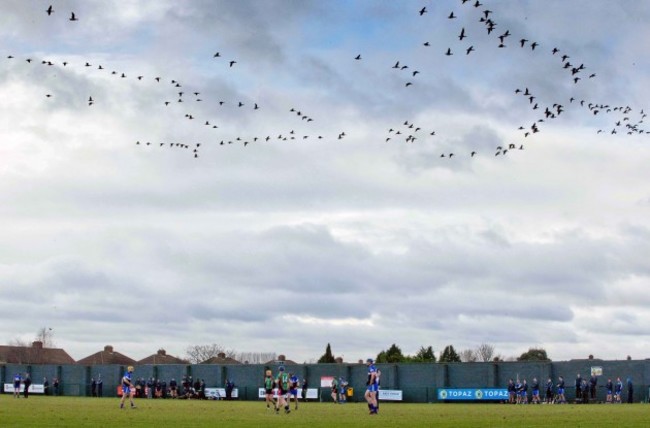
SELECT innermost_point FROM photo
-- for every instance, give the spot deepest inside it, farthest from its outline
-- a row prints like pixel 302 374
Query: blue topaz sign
pixel 469 394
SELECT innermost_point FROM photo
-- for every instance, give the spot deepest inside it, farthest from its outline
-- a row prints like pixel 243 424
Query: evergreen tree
pixel 534 354
pixel 449 355
pixel 392 355
pixel 328 357
pixel 425 355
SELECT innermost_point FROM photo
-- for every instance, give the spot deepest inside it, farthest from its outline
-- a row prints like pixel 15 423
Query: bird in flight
pixel 233 63
pixel 358 57
pixel 49 10
pixel 73 17
pixel 423 11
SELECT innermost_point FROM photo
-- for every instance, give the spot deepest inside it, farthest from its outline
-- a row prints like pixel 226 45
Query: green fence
pixel 417 381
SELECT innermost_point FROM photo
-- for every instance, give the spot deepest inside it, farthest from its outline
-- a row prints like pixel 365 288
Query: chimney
pixel 282 358
pixel 221 355
pixel 37 344
pixel 162 352
pixel 108 348
pixel 339 360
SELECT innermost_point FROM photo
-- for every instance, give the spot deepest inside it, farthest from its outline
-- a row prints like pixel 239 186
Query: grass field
pixel 38 411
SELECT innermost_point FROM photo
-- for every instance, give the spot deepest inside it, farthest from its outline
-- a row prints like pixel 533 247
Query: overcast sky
pixel 360 240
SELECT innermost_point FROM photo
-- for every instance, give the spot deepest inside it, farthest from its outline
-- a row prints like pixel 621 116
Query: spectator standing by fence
pixel 230 385
pixel 609 387
pixel 100 386
pixel 55 383
pixel 27 382
pixel 578 386
pixel 593 381
pixel 630 390
pixel 304 389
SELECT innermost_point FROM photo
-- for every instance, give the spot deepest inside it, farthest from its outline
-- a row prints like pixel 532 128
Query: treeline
pixel 483 353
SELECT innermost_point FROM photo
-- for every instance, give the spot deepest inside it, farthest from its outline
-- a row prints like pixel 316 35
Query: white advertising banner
pixel 312 393
pixel 326 381
pixel 35 388
pixel 390 395
pixel 220 393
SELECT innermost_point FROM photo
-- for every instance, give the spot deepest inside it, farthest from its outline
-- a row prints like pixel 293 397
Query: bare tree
pixel 256 357
pixel 468 356
pixel 20 352
pixel 46 336
pixel 198 353
pixel 485 352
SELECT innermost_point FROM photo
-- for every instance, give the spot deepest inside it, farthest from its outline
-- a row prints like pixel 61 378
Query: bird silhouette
pixel 73 17
pixel 49 10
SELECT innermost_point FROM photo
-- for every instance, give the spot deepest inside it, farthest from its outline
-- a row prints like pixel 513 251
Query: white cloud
pixel 286 245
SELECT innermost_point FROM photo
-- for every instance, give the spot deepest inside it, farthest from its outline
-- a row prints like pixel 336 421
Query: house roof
pixel 161 357
pixel 221 359
pixel 35 354
pixel 282 360
pixel 107 356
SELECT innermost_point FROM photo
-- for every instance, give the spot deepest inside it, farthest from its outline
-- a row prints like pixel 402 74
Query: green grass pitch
pixel 38 411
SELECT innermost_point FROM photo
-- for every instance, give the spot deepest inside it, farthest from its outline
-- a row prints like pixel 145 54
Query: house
pixel 107 356
pixel 35 354
pixel 221 359
pixel 161 357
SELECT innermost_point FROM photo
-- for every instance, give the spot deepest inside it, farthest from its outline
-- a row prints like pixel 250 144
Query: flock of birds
pixel 622 123
pixel 409 132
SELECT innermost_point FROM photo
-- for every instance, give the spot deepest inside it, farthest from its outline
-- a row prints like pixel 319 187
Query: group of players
pixel 518 392
pixel 287 387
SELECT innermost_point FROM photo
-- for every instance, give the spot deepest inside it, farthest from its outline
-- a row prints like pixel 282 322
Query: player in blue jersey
pixel 518 389
pixel 560 391
pixel 609 387
pixel 128 388
pixel 371 388
pixel 17 381
pixel 293 389
pixel 511 391
pixel 524 392
pixel 618 388
pixel 549 391
pixel 535 389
